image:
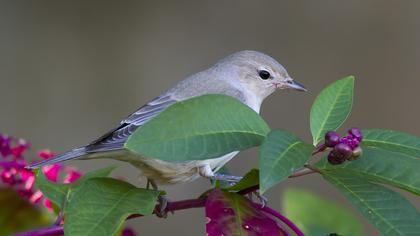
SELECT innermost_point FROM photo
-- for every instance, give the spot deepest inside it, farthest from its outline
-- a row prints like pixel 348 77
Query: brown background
pixel 70 70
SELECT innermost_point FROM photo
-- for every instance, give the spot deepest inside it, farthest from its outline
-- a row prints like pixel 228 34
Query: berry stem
pixel 302 172
pixel 314 169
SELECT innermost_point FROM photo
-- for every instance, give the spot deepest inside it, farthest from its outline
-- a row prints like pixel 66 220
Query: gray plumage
pixel 238 75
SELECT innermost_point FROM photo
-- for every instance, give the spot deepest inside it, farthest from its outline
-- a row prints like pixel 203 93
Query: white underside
pixel 164 172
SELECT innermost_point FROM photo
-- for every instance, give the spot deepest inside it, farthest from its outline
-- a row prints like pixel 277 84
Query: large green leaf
pixel 18 214
pixel 391 140
pixel 99 206
pixel 331 108
pixel 378 165
pixel 203 127
pixel 280 155
pixel 57 192
pixel 391 213
pixel 308 211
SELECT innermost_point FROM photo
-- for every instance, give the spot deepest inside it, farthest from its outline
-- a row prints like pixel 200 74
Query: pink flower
pixel 51 172
pixel 48 204
pixel 45 154
pixel 14 174
pixel 36 197
pixel 21 146
pixel 5 145
pixel 8 176
pixel 72 175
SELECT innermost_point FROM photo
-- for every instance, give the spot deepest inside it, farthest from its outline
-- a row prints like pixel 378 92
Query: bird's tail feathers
pixel 72 154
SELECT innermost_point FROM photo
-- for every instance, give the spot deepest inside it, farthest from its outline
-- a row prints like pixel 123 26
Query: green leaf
pixel 249 180
pixel 391 213
pixel 391 140
pixel 18 214
pixel 281 154
pixel 331 108
pixel 99 206
pixel 378 165
pixel 57 193
pixel 308 211
pixel 199 128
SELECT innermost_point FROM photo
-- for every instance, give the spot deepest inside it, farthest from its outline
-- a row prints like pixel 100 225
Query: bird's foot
pixel 259 197
pixel 161 210
pixel 228 178
pixel 207 172
pixel 262 199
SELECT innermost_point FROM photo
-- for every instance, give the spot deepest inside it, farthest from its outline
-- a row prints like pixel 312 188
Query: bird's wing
pixel 115 139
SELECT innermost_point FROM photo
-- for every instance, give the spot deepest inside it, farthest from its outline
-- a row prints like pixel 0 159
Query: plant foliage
pixel 210 126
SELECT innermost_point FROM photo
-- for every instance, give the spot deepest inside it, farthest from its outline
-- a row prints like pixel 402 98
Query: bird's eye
pixel 264 74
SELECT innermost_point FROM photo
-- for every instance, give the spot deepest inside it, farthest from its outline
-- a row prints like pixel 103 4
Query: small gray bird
pixel 248 76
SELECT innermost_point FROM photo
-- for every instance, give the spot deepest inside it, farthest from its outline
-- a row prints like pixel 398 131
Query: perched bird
pixel 248 76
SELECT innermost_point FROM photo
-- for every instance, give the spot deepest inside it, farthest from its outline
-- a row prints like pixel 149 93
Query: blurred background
pixel 71 70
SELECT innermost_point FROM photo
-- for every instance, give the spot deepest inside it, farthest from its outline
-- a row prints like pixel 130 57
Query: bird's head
pixel 260 73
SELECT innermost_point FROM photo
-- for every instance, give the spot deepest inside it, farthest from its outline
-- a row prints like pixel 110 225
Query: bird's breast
pixel 165 172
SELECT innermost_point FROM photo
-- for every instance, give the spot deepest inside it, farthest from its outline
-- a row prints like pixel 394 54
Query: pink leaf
pixel 232 214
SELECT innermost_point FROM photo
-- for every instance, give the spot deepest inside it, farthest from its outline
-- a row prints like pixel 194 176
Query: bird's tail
pixel 72 154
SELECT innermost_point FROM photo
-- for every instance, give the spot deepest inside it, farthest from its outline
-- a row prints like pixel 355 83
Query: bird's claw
pixel 161 209
pixel 228 178
pixel 263 200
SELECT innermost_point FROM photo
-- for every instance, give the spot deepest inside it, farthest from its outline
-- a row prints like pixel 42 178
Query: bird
pixel 248 76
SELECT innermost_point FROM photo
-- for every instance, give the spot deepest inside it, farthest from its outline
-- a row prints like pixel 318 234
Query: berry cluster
pixel 343 148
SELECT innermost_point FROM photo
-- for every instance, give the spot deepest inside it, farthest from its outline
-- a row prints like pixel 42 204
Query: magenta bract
pixel 232 214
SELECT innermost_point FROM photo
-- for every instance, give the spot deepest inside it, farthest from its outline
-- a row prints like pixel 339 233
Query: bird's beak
pixel 296 86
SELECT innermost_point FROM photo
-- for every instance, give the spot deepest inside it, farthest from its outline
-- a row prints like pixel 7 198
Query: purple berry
pixel 345 140
pixel 356 133
pixel 343 150
pixel 333 159
pixel 354 143
pixel 332 138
